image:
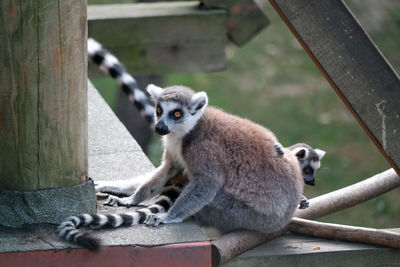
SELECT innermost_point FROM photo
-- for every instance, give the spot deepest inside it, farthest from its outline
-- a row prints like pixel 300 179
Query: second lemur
pixel 309 160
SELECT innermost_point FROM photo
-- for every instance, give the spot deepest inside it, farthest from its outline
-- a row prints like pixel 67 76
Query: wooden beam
pixel 43 88
pixel 159 38
pixel 245 18
pixel 352 64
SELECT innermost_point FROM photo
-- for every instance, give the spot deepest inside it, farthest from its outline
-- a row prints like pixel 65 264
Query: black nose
pixel 309 182
pixel 162 129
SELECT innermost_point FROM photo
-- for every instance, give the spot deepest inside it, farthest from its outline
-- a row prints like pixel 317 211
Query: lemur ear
pixel 154 90
pixel 301 153
pixel 320 153
pixel 199 100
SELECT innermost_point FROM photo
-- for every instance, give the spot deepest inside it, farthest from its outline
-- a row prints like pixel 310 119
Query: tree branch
pixel 232 244
pixel 345 232
pixel 351 195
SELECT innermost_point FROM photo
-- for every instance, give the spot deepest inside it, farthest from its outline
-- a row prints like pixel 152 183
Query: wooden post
pixel 43 97
pixel 43 103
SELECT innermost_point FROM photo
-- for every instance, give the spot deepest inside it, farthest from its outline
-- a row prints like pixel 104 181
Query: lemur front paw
pixel 155 219
pixel 304 203
pixel 124 201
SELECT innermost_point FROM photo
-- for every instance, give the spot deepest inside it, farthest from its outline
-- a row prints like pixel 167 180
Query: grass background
pixel 272 81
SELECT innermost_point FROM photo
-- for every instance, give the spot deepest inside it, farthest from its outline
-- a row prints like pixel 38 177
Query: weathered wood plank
pixel 158 38
pixel 353 65
pixel 43 99
pixel 245 18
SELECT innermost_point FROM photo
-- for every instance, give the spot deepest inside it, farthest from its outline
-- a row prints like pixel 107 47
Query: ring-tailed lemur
pixel 108 63
pixel 310 162
pixel 235 179
pixel 111 65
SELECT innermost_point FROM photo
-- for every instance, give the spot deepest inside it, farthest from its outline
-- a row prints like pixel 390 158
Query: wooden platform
pixel 113 154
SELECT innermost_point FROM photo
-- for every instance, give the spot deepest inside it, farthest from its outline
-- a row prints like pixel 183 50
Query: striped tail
pixel 70 228
pixel 111 65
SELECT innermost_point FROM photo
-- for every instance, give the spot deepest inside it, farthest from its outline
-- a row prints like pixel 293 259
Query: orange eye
pixel 307 171
pixel 158 110
pixel 177 114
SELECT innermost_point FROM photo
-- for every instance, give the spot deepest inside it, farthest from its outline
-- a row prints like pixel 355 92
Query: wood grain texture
pixel 18 73
pixel 245 18
pixel 352 64
pixel 43 134
pixel 159 38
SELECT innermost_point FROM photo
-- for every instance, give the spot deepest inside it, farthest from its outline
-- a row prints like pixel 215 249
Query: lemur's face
pixel 177 109
pixel 310 162
pixel 171 116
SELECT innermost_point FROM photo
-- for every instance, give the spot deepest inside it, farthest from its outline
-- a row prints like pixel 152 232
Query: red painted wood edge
pixel 334 86
pixel 174 255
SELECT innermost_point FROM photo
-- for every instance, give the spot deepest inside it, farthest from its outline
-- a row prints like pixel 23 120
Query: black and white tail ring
pixel 111 65
pixel 71 231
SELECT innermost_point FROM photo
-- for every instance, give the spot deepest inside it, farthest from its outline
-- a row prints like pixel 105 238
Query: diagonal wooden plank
pixel 352 64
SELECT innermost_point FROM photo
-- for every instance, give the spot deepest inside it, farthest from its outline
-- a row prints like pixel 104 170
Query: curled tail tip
pixel 83 239
pixel 89 242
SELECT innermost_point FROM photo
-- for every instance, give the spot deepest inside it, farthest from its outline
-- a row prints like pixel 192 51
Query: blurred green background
pixel 272 81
